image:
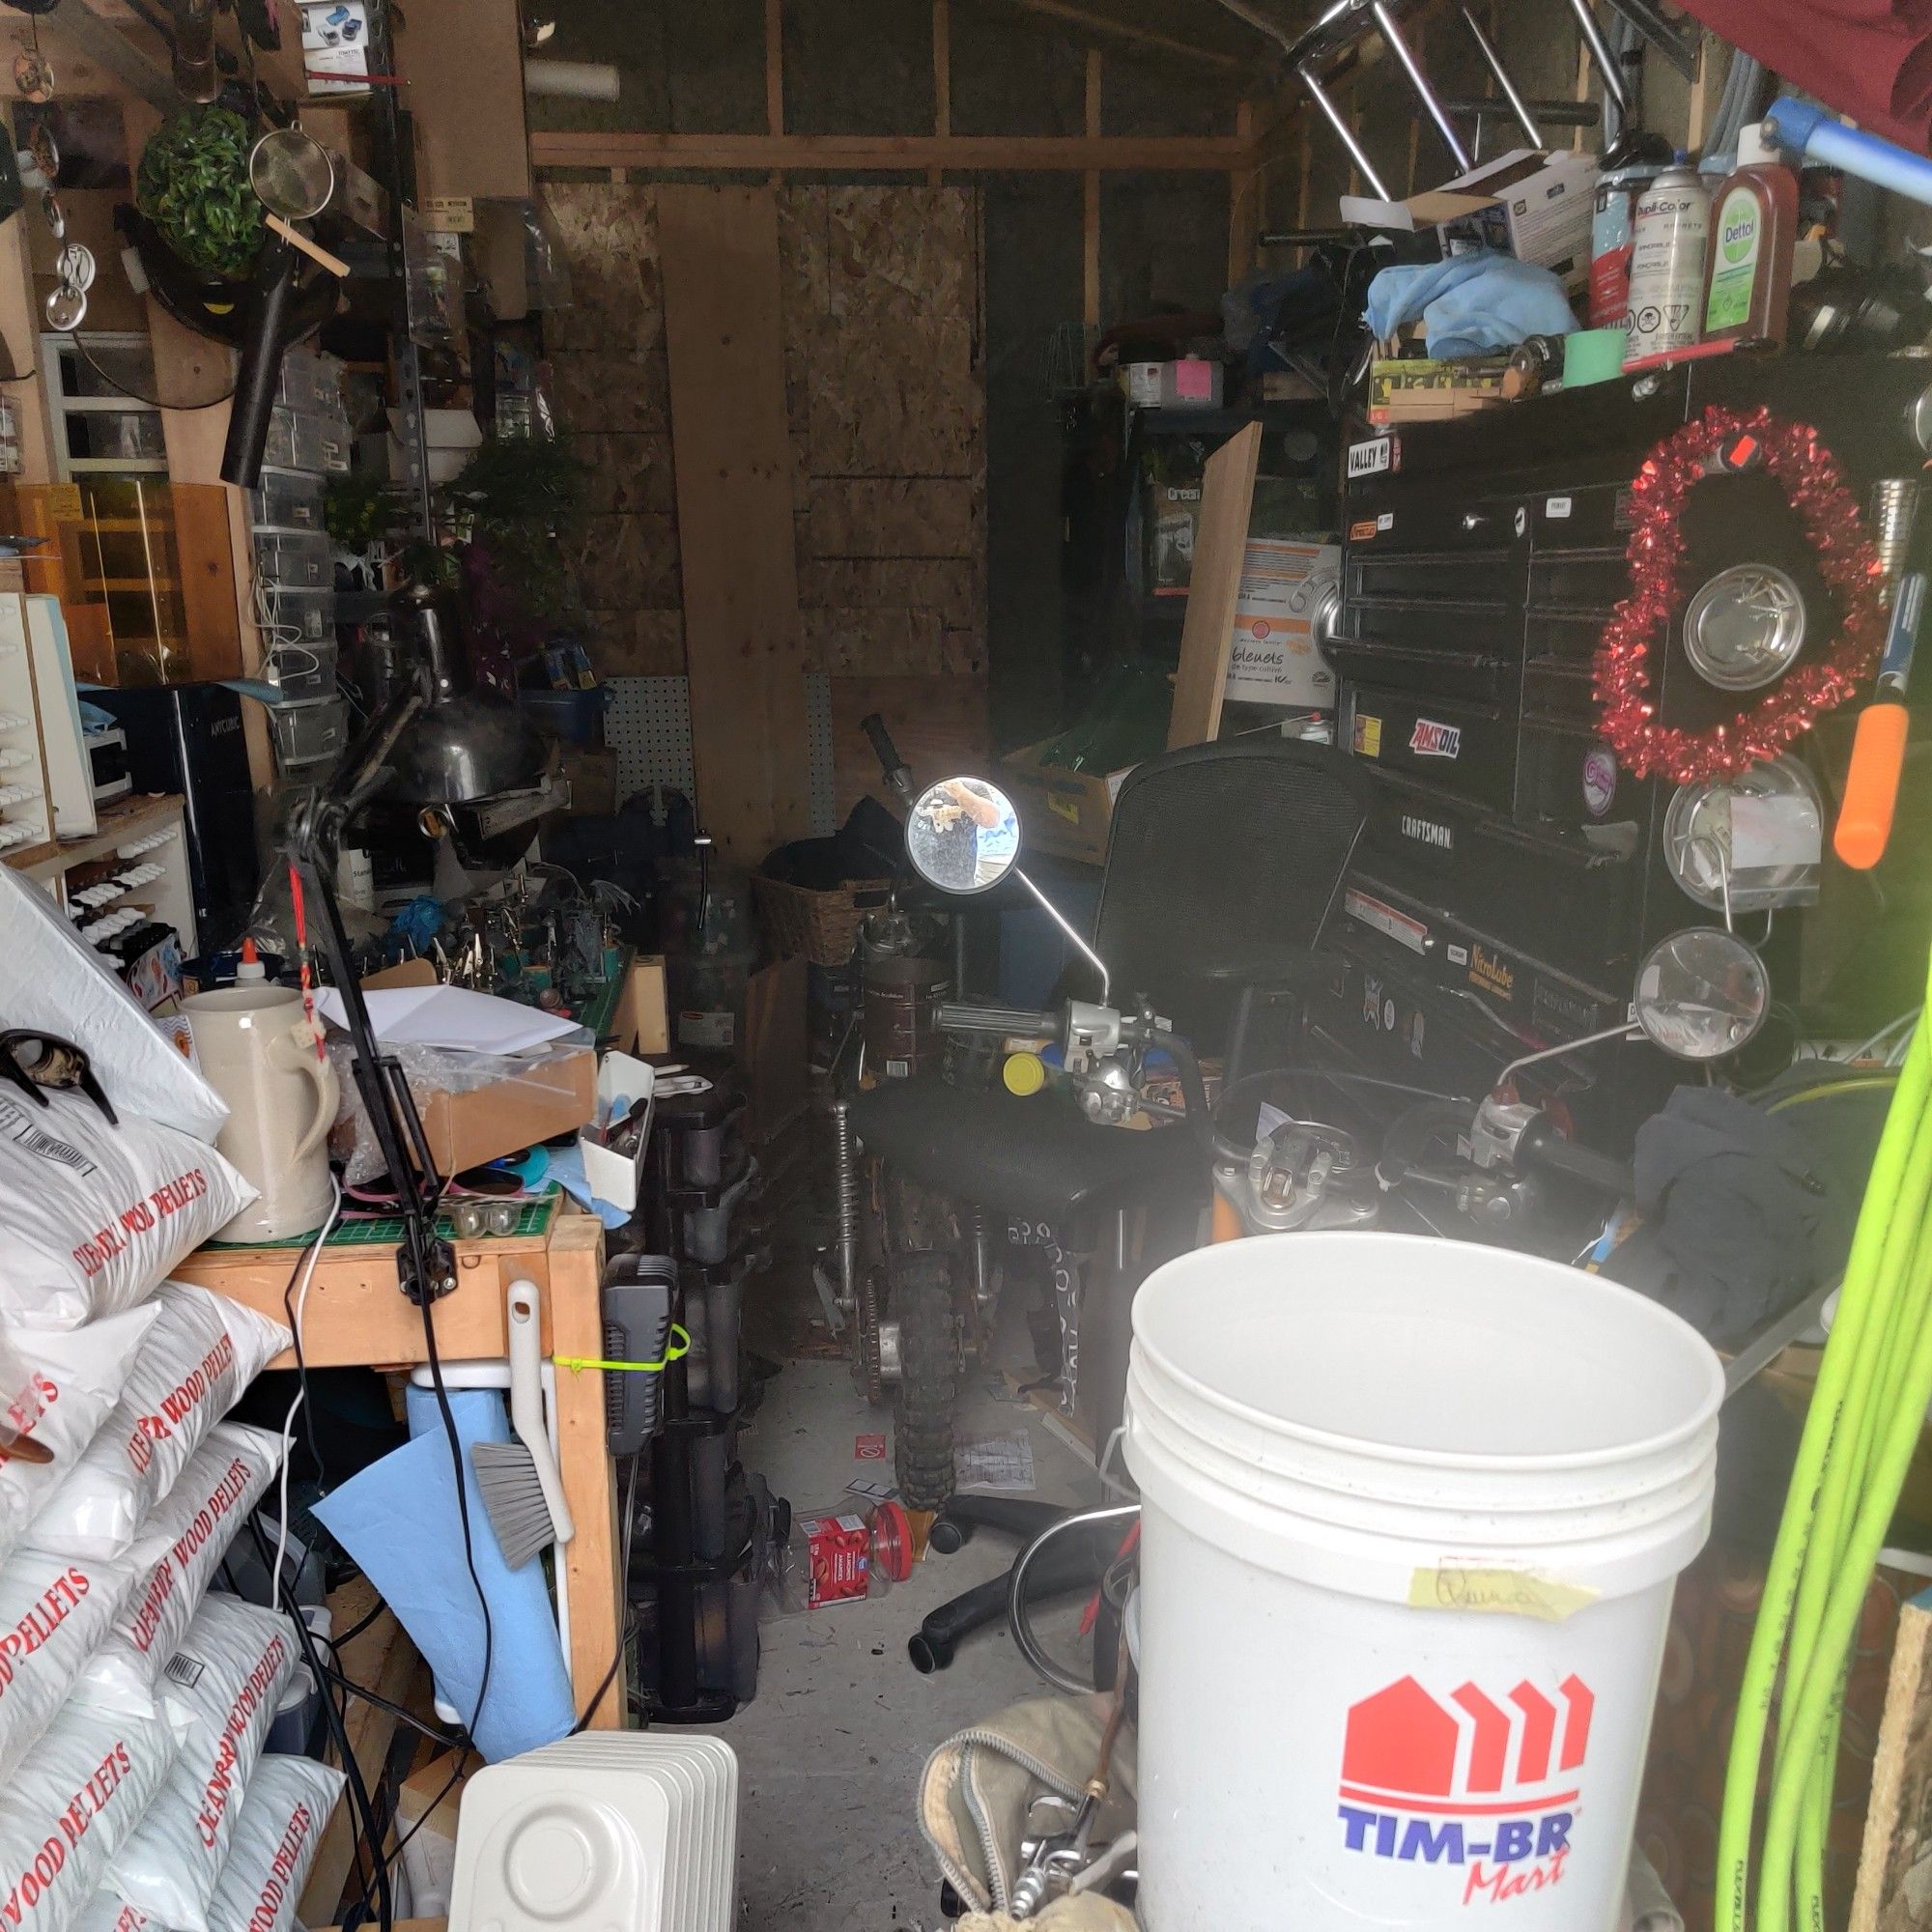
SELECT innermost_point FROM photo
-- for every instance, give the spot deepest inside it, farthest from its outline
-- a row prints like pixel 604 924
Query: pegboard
pixel 818 753
pixel 649 726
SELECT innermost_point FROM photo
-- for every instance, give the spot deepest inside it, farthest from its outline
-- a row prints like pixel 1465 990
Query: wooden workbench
pixel 357 1317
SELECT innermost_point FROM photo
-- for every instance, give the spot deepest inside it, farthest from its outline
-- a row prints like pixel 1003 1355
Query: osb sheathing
pixel 885 390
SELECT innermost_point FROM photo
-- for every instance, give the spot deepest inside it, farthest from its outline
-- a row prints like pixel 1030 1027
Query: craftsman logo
pixel 1369 459
pixel 1430 740
pixel 1427 831
pixel 1485 1787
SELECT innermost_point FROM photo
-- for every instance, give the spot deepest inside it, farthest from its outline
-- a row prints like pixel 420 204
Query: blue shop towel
pixel 398 1519
pixel 1473 304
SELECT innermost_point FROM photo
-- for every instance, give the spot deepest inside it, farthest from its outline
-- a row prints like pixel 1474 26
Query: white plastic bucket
pixel 1412 1513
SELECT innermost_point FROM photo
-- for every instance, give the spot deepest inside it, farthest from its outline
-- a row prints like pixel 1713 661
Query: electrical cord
pixel 458 1465
pixel 295 1299
pixel 359 1791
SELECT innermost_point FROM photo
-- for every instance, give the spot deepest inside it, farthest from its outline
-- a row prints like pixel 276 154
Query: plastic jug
pixel 259 1050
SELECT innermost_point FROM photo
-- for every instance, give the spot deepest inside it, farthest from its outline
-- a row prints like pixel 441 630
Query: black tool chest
pixel 1512 879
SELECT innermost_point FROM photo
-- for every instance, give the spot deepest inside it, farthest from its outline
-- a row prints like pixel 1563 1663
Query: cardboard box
pixel 1275 659
pixel 543 1094
pixel 644 1021
pixel 1417 389
pixel 549 1093
pixel 1062 813
pixel 1535 207
pixel 1191 383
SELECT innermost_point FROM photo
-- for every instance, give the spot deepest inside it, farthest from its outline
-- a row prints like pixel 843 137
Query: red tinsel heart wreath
pixel 1818 492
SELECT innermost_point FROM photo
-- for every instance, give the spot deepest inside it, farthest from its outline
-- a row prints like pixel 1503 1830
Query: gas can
pixel 1668 237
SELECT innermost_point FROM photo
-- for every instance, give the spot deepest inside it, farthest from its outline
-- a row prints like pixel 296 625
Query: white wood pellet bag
pixel 227 1677
pixel 92 1216
pixel 203 1351
pixel 71 1805
pixel 54 1611
pixel 176 1554
pixel 276 1838
pixel 73 1382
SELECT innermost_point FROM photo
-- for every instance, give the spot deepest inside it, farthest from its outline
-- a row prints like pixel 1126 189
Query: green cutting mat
pixel 386 1229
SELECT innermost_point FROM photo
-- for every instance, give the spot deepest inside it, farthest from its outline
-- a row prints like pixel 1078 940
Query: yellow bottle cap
pixel 1024 1073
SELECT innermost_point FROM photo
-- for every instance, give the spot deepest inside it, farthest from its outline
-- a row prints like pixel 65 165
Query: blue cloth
pixel 398 1519
pixel 1474 304
pixel 567 1165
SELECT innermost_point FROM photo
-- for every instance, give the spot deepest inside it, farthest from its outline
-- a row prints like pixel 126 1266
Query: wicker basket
pixel 824 926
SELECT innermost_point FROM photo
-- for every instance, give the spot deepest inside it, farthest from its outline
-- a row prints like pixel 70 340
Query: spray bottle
pixel 1753 223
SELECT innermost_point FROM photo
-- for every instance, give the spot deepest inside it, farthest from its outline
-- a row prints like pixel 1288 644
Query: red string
pixel 302 952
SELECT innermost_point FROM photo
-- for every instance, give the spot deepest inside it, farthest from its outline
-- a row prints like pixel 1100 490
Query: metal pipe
pixel 1494 61
pixel 1059 917
pixel 1345 134
pixel 1606 63
pixel 1017 1621
pixel 1417 79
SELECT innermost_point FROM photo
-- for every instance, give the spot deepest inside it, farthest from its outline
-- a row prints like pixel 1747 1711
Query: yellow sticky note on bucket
pixel 1508 1593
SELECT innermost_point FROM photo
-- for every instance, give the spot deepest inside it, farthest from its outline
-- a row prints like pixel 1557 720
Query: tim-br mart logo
pixel 1483 1786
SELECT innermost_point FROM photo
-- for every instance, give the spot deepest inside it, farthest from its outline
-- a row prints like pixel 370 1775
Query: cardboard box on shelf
pixel 1192 383
pixel 1417 389
pixel 1533 206
pixel 644 1022
pixel 1063 812
pixel 1275 659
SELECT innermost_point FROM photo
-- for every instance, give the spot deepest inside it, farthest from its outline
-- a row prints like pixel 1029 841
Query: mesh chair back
pixel 1223 863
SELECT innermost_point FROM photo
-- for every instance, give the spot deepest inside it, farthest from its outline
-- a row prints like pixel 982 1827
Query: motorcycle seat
pixel 1035 1157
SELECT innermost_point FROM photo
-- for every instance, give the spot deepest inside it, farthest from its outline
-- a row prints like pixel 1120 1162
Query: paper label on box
pixel 335 47
pixel 449 215
pixel 1273 659
pixel 1144 383
pixel 1194 379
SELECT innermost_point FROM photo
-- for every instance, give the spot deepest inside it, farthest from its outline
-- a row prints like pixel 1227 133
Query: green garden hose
pixel 1874 1383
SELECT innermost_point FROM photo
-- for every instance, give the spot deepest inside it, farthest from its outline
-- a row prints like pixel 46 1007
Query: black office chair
pixel 1223 864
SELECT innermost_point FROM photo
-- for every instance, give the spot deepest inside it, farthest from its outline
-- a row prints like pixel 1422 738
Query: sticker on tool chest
pixel 1432 740
pixel 1363 531
pixel 1490 973
pixel 1365 739
pixel 1385 920
pixel 1371 459
pixel 1599 779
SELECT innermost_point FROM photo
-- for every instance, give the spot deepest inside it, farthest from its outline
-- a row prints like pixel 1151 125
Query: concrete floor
pixel 831 1750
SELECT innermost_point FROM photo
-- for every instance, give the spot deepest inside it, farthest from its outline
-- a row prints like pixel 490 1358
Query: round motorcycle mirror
pixel 963 836
pixel 1701 994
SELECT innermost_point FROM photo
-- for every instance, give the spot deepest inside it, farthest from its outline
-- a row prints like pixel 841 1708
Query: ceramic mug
pixel 259 1050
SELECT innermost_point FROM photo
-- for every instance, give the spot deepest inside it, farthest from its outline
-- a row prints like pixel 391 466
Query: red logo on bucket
pixel 1471 1782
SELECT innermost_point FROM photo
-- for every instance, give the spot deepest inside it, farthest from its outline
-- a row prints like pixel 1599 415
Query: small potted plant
pixel 196 221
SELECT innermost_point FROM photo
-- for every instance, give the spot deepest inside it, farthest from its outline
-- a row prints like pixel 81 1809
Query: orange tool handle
pixel 1871 787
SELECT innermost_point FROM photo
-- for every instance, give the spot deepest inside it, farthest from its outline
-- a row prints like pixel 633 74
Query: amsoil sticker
pixel 1431 740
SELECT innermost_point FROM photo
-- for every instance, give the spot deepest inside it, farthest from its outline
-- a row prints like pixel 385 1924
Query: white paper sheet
pixel 450 1016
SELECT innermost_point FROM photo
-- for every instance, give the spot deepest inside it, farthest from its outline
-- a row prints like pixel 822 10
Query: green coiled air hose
pixel 1874 1385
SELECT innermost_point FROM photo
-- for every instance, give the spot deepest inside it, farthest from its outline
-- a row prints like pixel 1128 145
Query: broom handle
pixel 527 1416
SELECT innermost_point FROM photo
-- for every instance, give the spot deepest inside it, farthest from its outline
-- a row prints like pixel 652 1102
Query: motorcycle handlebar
pixel 996 1022
pixel 898 774
pixel 1550 1150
